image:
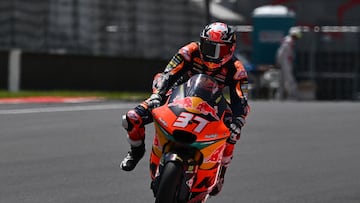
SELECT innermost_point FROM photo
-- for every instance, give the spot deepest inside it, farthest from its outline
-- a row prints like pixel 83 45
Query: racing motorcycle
pixel 190 137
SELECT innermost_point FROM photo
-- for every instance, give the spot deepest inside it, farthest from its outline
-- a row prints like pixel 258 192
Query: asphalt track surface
pixel 291 152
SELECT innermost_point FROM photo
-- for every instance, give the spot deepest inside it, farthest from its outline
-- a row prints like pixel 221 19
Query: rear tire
pixel 169 183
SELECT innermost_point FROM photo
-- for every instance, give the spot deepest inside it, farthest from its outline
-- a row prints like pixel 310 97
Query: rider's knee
pixel 133 123
pixel 131 120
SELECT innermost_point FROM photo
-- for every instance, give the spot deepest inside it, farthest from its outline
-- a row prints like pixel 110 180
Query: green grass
pixel 126 96
pixel 65 93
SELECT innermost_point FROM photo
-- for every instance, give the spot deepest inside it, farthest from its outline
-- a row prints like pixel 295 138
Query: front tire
pixel 169 183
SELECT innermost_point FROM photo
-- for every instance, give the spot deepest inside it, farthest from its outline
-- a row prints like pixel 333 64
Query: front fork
pixel 190 168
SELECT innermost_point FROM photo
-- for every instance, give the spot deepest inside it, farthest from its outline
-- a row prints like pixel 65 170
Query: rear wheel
pixel 169 183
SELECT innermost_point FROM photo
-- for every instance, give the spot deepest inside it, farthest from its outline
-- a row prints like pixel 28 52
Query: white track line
pixel 66 109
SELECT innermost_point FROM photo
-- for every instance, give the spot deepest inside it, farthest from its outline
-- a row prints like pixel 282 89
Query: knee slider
pixel 131 120
pixel 124 122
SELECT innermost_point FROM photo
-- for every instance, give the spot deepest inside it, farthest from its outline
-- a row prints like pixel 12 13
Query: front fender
pixel 171 156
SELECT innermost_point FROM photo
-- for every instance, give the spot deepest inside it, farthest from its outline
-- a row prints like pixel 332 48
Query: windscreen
pixel 200 95
pixel 202 86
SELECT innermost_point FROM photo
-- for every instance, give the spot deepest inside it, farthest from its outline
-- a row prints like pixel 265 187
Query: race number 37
pixel 185 118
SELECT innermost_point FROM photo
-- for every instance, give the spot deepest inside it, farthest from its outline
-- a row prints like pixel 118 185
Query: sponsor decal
pixel 211 136
pixel 195 105
pixel 163 122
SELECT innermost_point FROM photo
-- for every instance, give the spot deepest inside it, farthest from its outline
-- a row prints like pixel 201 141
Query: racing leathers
pixel 184 64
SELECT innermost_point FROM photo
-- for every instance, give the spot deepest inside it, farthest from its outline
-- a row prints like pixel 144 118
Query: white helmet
pixel 217 45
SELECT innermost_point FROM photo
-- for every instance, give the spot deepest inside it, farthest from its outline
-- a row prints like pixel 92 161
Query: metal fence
pixel 330 59
pixel 141 28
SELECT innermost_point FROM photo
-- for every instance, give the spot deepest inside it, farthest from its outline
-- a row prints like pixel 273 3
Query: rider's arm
pixel 238 93
pixel 176 68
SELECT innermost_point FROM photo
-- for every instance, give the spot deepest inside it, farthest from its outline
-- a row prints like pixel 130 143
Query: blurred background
pixel 119 45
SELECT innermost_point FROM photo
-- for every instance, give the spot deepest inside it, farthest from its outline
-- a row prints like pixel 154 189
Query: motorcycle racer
pixel 212 55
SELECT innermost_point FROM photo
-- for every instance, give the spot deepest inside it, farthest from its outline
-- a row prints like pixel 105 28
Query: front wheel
pixel 170 182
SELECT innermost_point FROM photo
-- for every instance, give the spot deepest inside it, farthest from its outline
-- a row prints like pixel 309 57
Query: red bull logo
pixel 216 155
pixel 195 105
pixel 206 109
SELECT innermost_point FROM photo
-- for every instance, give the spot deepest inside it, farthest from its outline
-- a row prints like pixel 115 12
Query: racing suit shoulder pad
pixel 240 71
pixel 187 50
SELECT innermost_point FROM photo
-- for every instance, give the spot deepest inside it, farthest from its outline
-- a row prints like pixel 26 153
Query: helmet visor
pixel 213 50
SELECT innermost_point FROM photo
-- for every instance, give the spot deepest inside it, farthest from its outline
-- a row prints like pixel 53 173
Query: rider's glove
pixel 153 101
pixel 235 129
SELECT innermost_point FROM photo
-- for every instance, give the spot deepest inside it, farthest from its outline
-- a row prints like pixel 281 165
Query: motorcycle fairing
pixel 193 118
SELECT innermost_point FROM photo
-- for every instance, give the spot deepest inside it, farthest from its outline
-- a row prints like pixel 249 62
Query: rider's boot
pixel 133 157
